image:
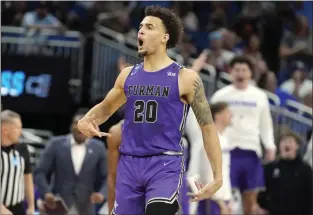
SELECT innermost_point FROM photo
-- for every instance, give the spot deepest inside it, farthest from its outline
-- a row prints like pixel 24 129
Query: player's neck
pixel 156 61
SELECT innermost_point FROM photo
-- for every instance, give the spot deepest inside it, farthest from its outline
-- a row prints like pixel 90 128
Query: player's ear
pixel 165 38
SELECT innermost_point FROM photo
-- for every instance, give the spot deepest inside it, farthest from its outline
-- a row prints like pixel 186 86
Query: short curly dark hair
pixel 171 21
pixel 240 59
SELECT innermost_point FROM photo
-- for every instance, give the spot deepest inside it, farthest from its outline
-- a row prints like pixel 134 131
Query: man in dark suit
pixel 78 165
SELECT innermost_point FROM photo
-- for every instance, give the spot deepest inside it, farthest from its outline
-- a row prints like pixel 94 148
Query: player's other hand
pixel 88 127
pixel 96 198
pixel 205 192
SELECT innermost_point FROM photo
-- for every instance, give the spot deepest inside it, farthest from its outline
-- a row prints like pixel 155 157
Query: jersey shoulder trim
pixel 180 66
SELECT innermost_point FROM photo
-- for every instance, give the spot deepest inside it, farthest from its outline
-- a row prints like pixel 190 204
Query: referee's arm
pixel 28 182
pixel 44 169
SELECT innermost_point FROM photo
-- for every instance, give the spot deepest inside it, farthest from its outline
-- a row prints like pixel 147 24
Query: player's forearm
pixel 113 101
pixel 102 112
pixel 29 190
pixel 213 150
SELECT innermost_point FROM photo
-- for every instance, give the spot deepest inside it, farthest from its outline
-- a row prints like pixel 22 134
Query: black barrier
pixel 35 84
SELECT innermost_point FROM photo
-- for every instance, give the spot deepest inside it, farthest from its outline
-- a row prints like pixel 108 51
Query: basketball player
pixel 157 94
pixel 194 136
pixel 251 121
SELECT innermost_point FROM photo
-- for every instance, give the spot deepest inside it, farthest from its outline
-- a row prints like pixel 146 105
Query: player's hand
pixel 49 200
pixel 205 192
pixel 96 198
pixel 88 127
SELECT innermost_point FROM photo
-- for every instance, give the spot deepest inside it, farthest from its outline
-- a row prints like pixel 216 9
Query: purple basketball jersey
pixel 154 114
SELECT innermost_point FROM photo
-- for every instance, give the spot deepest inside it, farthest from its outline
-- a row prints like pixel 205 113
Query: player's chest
pixel 157 92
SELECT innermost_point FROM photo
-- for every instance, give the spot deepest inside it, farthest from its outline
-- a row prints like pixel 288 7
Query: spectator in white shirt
pixel 251 120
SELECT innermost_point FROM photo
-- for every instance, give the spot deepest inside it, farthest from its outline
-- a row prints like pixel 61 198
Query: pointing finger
pixel 103 134
pixel 94 131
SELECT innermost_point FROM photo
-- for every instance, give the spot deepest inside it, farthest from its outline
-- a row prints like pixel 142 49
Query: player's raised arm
pixel 196 98
pixel 101 112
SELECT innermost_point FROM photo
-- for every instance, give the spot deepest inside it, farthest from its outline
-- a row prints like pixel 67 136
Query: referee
pixel 15 169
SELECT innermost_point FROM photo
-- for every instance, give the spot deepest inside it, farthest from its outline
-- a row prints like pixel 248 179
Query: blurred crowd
pixel 277 36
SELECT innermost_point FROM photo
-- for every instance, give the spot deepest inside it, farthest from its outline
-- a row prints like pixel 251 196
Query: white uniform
pixel 251 118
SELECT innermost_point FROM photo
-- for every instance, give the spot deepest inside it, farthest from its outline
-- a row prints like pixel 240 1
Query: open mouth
pixel 287 149
pixel 140 42
pixel 240 79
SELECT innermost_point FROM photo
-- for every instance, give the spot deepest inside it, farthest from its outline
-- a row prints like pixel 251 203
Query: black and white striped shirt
pixel 15 162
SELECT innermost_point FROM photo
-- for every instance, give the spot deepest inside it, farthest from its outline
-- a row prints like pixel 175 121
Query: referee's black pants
pixel 17 209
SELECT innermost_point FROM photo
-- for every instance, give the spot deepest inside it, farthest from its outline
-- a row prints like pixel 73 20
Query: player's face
pixel 241 74
pixel 288 148
pixel 151 35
